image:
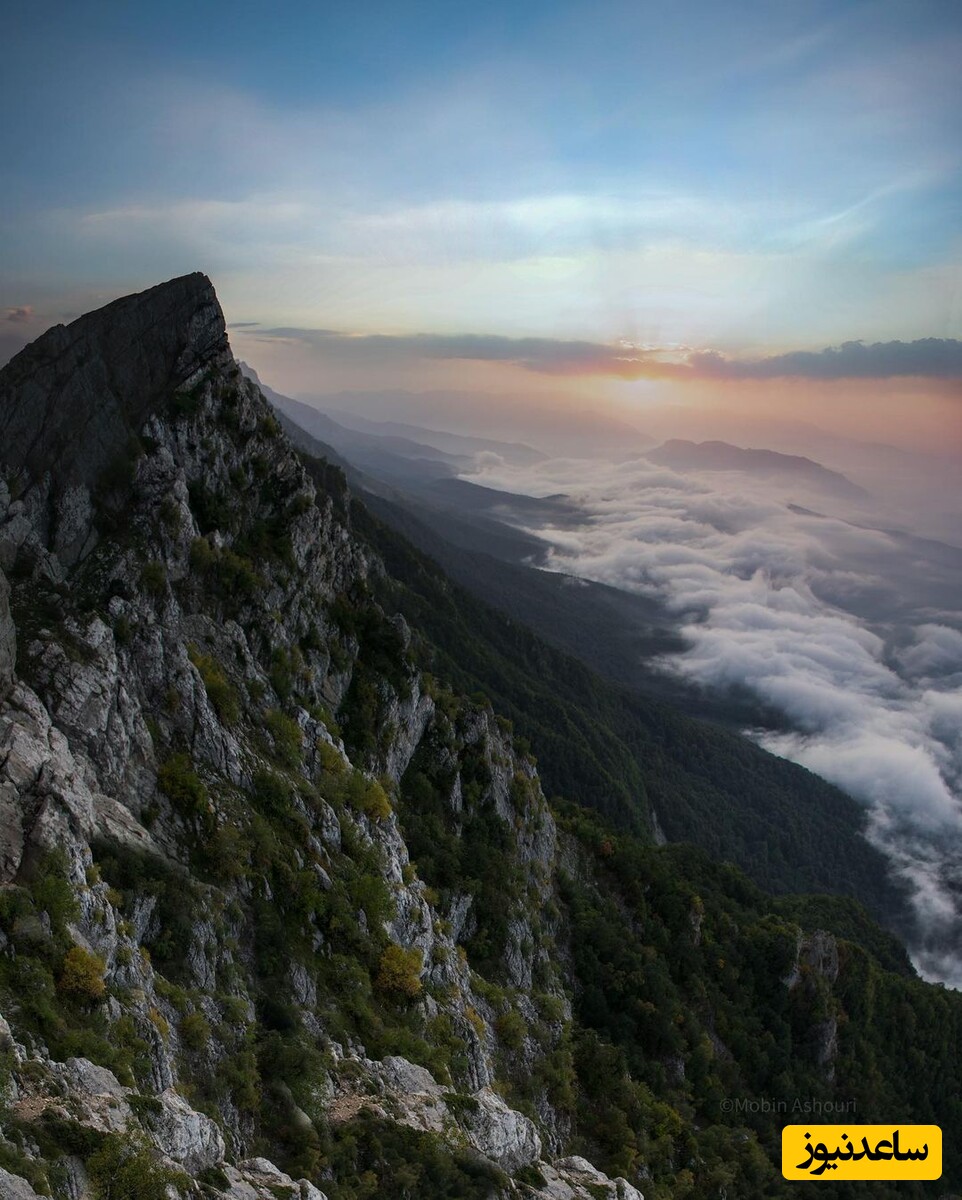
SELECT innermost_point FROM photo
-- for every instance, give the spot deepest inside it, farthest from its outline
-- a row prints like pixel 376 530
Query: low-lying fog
pixel 819 600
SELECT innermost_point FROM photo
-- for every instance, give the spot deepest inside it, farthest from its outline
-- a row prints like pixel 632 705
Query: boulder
pixel 188 1137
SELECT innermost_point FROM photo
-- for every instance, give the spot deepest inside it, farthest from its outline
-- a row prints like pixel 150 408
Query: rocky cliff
pixel 73 400
pixel 191 610
pixel 280 913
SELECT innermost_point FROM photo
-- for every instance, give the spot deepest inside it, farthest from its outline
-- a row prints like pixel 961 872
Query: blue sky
pixel 753 178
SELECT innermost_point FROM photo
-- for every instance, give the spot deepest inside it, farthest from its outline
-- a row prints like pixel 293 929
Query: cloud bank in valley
pixel 773 599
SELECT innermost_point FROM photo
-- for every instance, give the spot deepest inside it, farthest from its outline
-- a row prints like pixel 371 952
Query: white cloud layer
pixel 874 708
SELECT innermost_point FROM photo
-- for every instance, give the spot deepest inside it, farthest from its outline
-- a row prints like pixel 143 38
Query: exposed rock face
pixel 177 640
pixel 815 969
pixel 819 952
pixel 13 1187
pixel 259 1178
pixel 501 1134
pixel 415 1098
pixel 8 637
pixel 576 1177
pixel 71 402
pixel 186 1136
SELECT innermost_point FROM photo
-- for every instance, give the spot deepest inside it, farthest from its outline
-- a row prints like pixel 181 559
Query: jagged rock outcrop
pixel 281 913
pixel 815 969
pixel 71 401
pixel 576 1177
pixel 198 692
pixel 415 1098
pixel 14 1187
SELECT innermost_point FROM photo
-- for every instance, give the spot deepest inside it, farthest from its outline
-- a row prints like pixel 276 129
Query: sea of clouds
pixel 852 634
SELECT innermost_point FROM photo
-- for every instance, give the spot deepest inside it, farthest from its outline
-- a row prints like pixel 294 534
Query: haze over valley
pixel 779 588
pixel 480 599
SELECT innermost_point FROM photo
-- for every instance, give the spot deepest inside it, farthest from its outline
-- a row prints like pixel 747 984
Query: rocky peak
pixel 194 608
pixel 71 402
pixel 270 889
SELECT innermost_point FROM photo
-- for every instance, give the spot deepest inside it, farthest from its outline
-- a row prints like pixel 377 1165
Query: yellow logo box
pixel 861 1152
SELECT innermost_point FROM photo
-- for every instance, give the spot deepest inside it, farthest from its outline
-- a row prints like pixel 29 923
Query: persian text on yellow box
pixel 861 1152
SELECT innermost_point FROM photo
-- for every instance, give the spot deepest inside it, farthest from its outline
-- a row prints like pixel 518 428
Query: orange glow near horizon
pixel 918 414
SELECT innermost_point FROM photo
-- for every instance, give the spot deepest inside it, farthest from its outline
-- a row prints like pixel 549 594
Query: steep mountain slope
pixel 385 464
pixel 272 894
pixel 391 453
pixel 621 750
pixel 453 443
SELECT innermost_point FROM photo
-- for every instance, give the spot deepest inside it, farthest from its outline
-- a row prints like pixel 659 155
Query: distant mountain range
pixel 379 450
pixel 370 440
pixel 424 477
pixel 553 425
pixel 288 907
pixel 683 455
pixel 454 443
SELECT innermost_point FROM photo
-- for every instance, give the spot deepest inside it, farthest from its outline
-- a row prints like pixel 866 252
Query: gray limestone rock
pixel 71 402
pixel 500 1133
pixel 97 699
pixel 14 1187
pixel 575 1178
pixel 8 637
pixel 259 1178
pixel 186 1136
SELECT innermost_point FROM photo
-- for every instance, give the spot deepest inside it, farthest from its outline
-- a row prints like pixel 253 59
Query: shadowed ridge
pixel 72 400
pixel 66 396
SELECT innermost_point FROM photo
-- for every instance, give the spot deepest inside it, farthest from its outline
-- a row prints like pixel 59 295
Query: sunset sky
pixel 590 227
pixel 629 203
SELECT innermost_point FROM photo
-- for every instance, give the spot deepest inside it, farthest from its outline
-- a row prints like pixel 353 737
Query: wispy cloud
pixel 930 358
pixel 936 358
pixel 803 168
pixel 20 314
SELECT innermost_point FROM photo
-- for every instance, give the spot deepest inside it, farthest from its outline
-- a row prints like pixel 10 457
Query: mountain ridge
pixel 457 445
pixel 724 456
pixel 765 814
pixel 71 400
pixel 282 913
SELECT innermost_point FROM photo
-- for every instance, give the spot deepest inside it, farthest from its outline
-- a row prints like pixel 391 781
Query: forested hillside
pixel 284 908
pixel 631 757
